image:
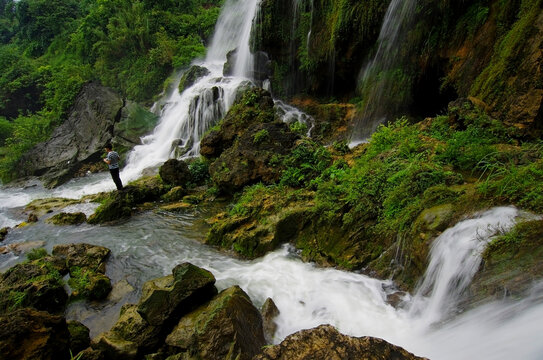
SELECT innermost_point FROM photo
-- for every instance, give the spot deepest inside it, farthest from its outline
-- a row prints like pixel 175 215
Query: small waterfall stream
pixel 378 79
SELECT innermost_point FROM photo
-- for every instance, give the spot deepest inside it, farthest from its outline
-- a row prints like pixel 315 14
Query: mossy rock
pixel 228 327
pixel 3 233
pixel 175 194
pixel 36 284
pixel 79 336
pixel 512 263
pixel 88 284
pixel 41 207
pixel 166 297
pixel 68 218
pixel 120 204
pixel 191 76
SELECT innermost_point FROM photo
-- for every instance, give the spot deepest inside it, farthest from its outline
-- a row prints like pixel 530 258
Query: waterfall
pixel 185 117
pixel 455 257
pixel 380 78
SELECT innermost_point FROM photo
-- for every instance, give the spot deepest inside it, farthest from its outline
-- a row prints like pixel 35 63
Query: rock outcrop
pixel 98 115
pixel 31 334
pixel 191 76
pixel 325 342
pixel 175 172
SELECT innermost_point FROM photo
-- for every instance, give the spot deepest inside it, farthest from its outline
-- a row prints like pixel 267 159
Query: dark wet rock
pixel 31 334
pixel 130 336
pixel 175 172
pixel 90 354
pixel 269 312
pixel 169 296
pixel 228 67
pixel 191 76
pixel 228 327
pixel 175 194
pixel 80 139
pixel 262 68
pixel 32 218
pixel 250 159
pixel 3 233
pixel 121 204
pixel 34 284
pixel 68 218
pixel 325 342
pixel 83 256
pixel 79 336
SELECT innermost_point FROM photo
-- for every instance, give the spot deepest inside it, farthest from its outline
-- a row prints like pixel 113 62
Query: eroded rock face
pixel 228 327
pixel 191 76
pixel 325 342
pixel 81 138
pixel 31 334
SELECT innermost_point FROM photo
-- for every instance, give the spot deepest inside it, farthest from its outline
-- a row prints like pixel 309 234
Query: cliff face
pixel 489 50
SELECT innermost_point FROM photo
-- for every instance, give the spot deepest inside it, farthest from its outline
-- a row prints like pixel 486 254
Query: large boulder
pixel 68 218
pixel 83 255
pixel 228 327
pixel 31 334
pixel 254 106
pixel 36 284
pixel 129 337
pixel 175 172
pixel 169 296
pixel 325 342
pixel 250 160
pixel 81 138
pixel 79 336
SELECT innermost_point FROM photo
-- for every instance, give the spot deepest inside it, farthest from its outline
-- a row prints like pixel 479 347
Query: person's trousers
pixel 116 179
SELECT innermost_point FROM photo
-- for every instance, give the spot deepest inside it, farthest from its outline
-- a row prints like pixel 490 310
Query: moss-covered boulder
pixel 44 206
pixel 36 284
pixel 512 263
pixel 325 342
pixel 89 284
pixel 68 218
pixel 228 327
pixel 169 296
pixel 253 157
pixel 120 204
pixel 31 334
pixel 266 219
pixel 129 337
pixel 255 106
pixel 83 256
pixel 79 336
pixel 191 76
pixel 175 194
pixel 175 172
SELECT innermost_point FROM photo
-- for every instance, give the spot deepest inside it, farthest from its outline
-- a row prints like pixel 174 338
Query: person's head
pixel 108 147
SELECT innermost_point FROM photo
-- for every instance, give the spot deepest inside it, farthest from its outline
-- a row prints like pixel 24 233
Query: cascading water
pixel 379 79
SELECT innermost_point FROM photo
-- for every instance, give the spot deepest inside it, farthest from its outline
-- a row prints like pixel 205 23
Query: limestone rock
pixel 162 298
pixel 68 218
pixel 228 327
pixel 175 172
pixel 31 334
pixel 79 139
pixel 325 342
pixel 191 76
pixel 83 255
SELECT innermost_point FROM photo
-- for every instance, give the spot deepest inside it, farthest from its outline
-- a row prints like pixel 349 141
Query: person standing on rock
pixel 112 160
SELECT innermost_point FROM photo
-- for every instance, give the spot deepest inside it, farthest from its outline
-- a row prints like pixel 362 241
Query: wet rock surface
pixel 325 342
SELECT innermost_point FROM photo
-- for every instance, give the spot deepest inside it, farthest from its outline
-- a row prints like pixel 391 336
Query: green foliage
pixel 261 136
pixel 307 161
pixel 298 128
pixel 199 171
pixel 79 280
pixel 36 254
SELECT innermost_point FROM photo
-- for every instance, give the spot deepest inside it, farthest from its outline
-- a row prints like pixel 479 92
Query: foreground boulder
pixel 228 327
pixel 83 255
pixel 326 343
pixel 188 285
pixel 31 334
pixel 175 172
